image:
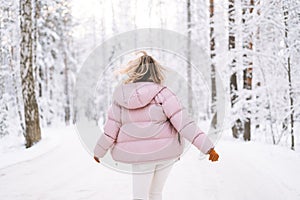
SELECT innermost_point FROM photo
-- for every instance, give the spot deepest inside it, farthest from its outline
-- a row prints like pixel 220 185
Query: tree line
pixel 254 44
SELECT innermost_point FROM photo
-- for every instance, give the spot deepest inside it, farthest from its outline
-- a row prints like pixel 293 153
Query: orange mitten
pixel 213 156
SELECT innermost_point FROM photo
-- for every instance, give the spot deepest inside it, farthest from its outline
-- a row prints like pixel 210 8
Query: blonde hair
pixel 143 68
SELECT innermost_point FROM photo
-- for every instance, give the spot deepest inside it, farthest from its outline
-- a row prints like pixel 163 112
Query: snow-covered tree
pixel 56 63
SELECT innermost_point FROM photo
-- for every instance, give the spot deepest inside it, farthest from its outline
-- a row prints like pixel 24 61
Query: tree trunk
pixel 247 73
pixel 31 112
pixel 257 84
pixel 67 94
pixel 292 110
pixel 67 106
pixel 189 67
pixel 213 66
pixel 232 65
pixel 248 85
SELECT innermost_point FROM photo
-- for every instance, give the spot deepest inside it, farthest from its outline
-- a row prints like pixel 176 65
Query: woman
pixel 145 126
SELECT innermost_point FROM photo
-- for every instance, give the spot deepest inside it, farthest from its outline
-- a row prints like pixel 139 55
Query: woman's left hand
pixel 97 159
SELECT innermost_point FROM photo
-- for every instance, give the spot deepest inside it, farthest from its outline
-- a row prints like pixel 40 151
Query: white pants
pixel 148 179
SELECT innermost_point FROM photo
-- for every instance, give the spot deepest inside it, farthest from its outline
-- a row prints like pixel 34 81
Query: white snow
pixel 59 167
pixel 13 150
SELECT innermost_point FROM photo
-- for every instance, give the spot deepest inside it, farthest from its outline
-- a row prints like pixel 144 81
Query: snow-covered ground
pixel 60 168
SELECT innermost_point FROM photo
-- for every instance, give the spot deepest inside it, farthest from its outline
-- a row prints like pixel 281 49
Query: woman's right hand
pixel 213 156
pixel 96 159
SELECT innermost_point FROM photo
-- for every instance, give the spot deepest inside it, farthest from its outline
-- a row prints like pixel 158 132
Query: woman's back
pixel 144 122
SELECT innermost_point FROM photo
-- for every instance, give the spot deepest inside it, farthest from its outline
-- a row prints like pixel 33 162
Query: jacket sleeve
pixel 111 129
pixel 179 117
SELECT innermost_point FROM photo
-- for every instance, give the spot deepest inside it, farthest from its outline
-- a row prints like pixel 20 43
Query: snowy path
pixel 244 171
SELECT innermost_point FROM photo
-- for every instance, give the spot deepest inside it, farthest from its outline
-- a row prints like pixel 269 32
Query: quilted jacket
pixel 146 122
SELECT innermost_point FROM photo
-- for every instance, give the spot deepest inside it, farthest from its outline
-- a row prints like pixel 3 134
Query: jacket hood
pixel 136 95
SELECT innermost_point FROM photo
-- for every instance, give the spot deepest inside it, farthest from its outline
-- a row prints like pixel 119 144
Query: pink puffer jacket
pixel 143 123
